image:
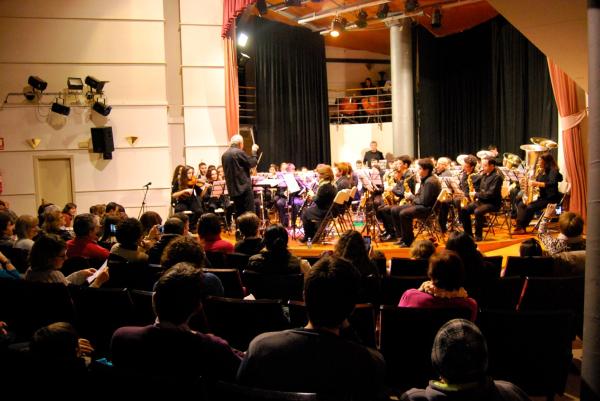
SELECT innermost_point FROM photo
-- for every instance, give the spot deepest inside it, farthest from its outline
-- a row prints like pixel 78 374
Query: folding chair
pixel 429 224
pixel 501 217
pixel 340 198
pixel 565 190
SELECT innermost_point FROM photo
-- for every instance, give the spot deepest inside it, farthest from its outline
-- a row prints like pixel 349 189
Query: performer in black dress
pixel 314 214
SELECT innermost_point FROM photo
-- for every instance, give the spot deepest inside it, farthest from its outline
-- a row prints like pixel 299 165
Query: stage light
pixel 361 19
pixel 383 11
pixel 29 93
pixel 243 58
pixel 411 5
pixel 95 84
pixel 242 39
pixel 74 84
pixel 337 26
pixel 37 83
pixel 436 18
pixel 60 108
pixel 102 108
pixel 261 6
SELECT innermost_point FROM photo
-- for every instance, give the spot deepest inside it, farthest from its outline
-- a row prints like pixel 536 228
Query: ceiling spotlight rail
pixel 338 10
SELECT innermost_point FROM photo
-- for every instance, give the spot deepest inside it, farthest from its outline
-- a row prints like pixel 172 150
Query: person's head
pixel 405 162
pixel 547 162
pixel 459 353
pixel 70 208
pixel 571 224
pixel 272 168
pixel 112 209
pixel 530 247
pixel 26 227
pixel 209 226
pixel 129 233
pixel 358 164
pixel 186 175
pixel 442 164
pixel 202 168
pixel 149 219
pixel 237 141
pixel 368 83
pixel 344 168
pixel 248 224
pixel 461 243
pixel 48 253
pixel 422 249
pixel 98 210
pixel 283 167
pixel 183 249
pixel 488 165
pixel 446 270
pixel 494 149
pixel 331 291
pixel 55 344
pixel 325 172
pixel 7 225
pixel 174 225
pixel 178 294
pixel 85 226
pixel 53 221
pixel 425 167
pixel 351 246
pixel 291 168
pixel 220 172
pixel 109 228
pixel 469 164
pixel 212 175
pixel 276 239
pixel 186 221
pixel 373 146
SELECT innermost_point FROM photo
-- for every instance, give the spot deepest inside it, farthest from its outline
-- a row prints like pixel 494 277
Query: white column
pixel 402 88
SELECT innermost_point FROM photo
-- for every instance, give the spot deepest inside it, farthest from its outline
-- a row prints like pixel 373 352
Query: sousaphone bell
pixel 510 160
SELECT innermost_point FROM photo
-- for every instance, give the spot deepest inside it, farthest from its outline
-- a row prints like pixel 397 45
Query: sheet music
pixel 291 183
pixel 218 188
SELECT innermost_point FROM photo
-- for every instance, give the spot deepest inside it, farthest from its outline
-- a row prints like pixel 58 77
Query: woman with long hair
pixel 313 215
pixel 186 192
pixel 276 259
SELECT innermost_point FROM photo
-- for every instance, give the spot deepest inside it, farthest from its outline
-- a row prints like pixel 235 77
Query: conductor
pixel 236 166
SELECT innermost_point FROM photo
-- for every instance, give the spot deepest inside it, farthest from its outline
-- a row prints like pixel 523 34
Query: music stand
pixel 218 189
pixel 143 207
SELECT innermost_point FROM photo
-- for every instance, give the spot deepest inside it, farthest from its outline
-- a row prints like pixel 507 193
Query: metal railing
pixel 360 105
pixel 247 99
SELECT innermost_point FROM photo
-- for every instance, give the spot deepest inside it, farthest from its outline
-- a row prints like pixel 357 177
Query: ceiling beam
pixel 338 10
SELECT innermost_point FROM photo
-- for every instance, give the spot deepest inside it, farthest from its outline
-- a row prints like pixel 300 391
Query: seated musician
pixel 547 181
pixel 487 199
pixel 314 214
pixel 185 193
pixel 468 169
pixel 343 173
pixel 403 179
pixel 284 198
pixel 442 167
pixel 421 204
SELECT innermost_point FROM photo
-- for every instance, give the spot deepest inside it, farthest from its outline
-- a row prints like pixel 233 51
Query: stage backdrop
pixel 291 95
pixel 488 85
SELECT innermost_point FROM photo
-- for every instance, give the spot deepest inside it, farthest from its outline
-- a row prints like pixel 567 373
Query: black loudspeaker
pixel 102 141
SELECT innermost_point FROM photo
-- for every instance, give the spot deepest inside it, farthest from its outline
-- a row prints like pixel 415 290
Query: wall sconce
pixel 131 139
pixel 34 142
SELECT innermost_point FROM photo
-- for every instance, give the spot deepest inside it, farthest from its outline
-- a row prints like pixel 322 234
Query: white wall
pixel 203 74
pixel 349 142
pixel 122 41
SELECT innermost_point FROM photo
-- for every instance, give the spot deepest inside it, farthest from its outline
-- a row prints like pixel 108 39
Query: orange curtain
pixel 232 106
pixel 565 94
pixel 231 9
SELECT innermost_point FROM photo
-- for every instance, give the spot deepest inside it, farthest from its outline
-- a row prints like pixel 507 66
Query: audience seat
pixel 75 264
pixel 126 274
pixel 393 287
pixel 237 260
pixel 143 312
pixel 232 283
pixel 539 266
pixel 274 286
pixel 503 293
pixel 19 258
pixel 217 259
pixel 230 391
pixel 408 267
pixel 494 262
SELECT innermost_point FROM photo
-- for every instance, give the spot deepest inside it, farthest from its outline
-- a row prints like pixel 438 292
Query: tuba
pixel 532 156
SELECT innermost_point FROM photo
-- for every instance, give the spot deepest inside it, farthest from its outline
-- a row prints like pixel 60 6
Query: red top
pixel 217 245
pixel 86 248
pixel 414 298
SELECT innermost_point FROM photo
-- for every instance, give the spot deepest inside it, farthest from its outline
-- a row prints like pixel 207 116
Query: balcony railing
pixel 360 105
pixel 247 105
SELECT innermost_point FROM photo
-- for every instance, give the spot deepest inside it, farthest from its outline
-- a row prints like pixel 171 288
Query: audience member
pixel 172 229
pixel 98 210
pixel 150 219
pixel 47 257
pixel 460 357
pixel 209 231
pixel 54 223
pixel 315 358
pixel 107 232
pixel 86 236
pixel 26 229
pixel 445 286
pixel 251 243
pixel 530 247
pixel 7 226
pixel 276 259
pixel 129 236
pixel 186 223
pixel 7 269
pixel 570 236
pixel 422 249
pixel 169 347
pixel 69 212
pixel 351 246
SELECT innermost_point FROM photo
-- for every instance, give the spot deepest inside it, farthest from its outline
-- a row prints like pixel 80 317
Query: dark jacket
pixel 490 390
pixel 551 178
pixel 490 188
pixel 428 192
pixel 236 165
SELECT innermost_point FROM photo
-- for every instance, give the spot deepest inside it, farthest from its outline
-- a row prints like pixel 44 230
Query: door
pixel 54 180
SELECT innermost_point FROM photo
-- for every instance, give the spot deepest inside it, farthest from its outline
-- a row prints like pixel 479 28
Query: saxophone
pixel 389 198
pixel 405 201
pixel 467 199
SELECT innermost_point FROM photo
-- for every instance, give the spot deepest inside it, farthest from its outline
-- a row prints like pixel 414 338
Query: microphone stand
pixel 143 207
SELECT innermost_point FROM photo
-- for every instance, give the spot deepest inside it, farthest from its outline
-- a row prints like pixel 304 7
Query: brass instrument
pixel 407 190
pixel 445 196
pixel 467 199
pixel 485 154
pixel 510 160
pixel 389 198
pixel 545 142
pixel 532 155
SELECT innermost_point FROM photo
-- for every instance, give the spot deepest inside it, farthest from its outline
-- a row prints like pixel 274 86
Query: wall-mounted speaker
pixel 102 141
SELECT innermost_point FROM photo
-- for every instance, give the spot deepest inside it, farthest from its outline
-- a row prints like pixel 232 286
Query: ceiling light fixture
pixel 383 11
pixel 337 26
pixel 361 19
pixel 242 39
pixel 411 5
pixel 261 6
pixel 436 18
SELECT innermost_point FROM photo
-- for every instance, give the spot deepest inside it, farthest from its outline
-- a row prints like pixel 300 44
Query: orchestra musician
pixel 284 198
pixel 547 181
pixel 421 205
pixel 343 178
pixel 372 154
pixel 468 169
pixel 488 198
pixel 315 213
pixel 403 178
pixel 236 167
pixel 186 191
pixel 442 167
pixel 202 170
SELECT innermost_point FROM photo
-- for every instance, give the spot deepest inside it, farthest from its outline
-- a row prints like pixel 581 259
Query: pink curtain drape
pixel 565 94
pixel 231 9
pixel 232 106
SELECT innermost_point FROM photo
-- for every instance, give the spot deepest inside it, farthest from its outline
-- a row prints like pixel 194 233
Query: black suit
pixel 312 216
pixel 236 166
pixel 489 199
pixel 548 194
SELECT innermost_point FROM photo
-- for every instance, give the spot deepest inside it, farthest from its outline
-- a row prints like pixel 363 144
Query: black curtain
pixel 291 95
pixel 488 85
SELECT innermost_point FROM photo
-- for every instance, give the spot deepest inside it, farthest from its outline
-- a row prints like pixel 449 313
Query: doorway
pixel 53 180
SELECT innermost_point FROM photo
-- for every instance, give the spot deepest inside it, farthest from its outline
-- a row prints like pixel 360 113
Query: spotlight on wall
pixel 410 5
pixel 74 84
pixel 436 18
pixel 338 25
pixel 383 11
pixel 102 108
pixel 95 84
pixel 261 6
pixel 242 39
pixel 361 19
pixel 37 83
pixel 60 108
